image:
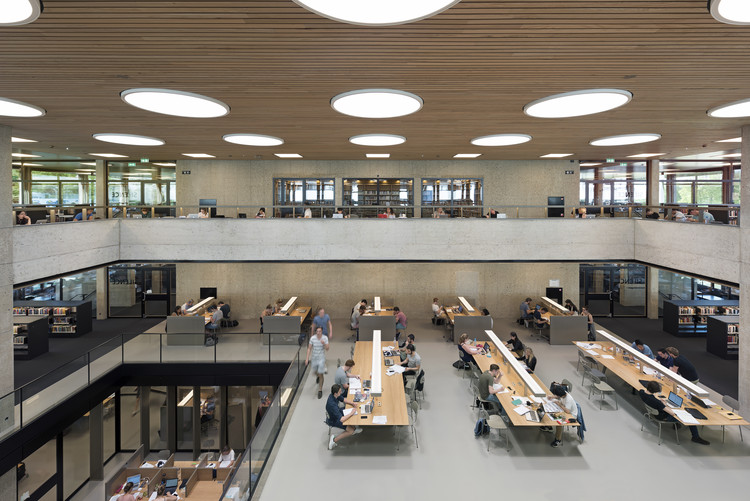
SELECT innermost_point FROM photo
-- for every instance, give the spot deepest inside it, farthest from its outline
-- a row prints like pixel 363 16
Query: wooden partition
pixel 134 461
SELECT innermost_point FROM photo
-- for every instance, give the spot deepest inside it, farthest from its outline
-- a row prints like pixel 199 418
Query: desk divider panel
pixel 134 461
pixel 370 323
pixel 192 481
pixel 205 474
pixel 566 329
pixel 474 326
pixel 283 329
pixel 183 331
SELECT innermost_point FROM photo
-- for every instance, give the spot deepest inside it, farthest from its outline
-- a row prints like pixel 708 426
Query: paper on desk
pixel 685 416
pixel 708 402
pixel 354 383
pixel 225 464
pixel 348 411
pixel 397 369
pixel 389 372
pixel 388 348
pixel 649 371
pixel 521 410
pixel 535 399
pixel 379 419
pixel 592 353
pixel 609 357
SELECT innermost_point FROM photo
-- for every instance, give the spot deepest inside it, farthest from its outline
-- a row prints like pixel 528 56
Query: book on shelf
pixel 731 310
pixel 706 310
pixel 732 328
pixel 733 339
pixel 19 339
pixel 28 310
pixel 686 310
pixel 63 329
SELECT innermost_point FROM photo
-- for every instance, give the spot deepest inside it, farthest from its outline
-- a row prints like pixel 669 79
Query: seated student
pixel 515 345
pixel 227 454
pixel 162 495
pixel 465 344
pixel 225 309
pixel 126 495
pixel 643 348
pixel 525 308
pixel 336 418
pixel 568 404
pixel 362 302
pixel 530 359
pixel 571 307
pixel 665 413
pixel 177 311
pixel 413 362
pixel 265 313
pixel 354 320
pixel 22 219
pixel 540 320
pixel 437 309
pixel 664 358
pixel 650 214
pixel 342 376
pixel 487 382
pixel 402 347
pixel 261 214
pixel 187 306
pixel 79 216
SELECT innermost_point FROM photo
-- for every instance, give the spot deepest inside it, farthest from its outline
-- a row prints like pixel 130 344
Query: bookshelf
pixel 70 318
pixel 389 191
pixel 723 338
pixel 30 337
pixel 690 318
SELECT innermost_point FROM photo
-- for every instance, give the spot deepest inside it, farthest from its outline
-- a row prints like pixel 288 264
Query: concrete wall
pixel 245 182
pixel 248 287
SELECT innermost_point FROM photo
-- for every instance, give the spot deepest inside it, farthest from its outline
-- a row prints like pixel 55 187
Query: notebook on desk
pixel 695 413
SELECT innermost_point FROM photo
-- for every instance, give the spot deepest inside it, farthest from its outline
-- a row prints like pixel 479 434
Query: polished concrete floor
pixel 617 461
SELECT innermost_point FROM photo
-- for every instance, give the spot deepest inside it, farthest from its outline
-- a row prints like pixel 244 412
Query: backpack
pixel 481 427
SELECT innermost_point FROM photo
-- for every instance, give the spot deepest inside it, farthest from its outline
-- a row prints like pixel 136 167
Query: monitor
pixel 171 483
pixel 675 399
pixel 136 479
pixel 337 216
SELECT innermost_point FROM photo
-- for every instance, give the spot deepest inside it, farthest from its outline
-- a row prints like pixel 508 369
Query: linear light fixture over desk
pixel 289 304
pixel 465 304
pixel 196 307
pixel 668 374
pixel 376 304
pixel 519 369
pixel 376 388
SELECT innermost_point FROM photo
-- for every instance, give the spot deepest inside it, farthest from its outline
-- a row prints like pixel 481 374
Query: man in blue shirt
pixel 336 418
pixel 643 348
pixel 323 321
pixel 526 309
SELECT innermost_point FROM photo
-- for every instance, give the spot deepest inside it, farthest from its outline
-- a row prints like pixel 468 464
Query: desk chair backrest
pixel 651 412
pixel 465 357
pixel 568 384
pixel 731 402
pixel 419 385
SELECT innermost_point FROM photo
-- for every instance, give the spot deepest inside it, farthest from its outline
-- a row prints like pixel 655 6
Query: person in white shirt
pixel 437 310
pixel 187 306
pixel 568 404
pixel 361 303
pixel 308 213
pixel 227 454
pixel 316 356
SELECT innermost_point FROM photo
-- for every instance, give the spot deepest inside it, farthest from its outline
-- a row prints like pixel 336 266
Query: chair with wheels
pixel 650 416
pixel 495 422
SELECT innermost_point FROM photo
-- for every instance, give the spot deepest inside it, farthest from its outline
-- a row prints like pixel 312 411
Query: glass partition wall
pixel 134 184
pixel 456 197
pixel 53 183
pixel 292 196
pixel 395 193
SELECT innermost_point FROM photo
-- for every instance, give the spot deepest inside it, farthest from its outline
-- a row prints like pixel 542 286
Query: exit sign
pixel 610 160
pixel 569 172
pixel 144 160
pixel 623 164
pixel 131 164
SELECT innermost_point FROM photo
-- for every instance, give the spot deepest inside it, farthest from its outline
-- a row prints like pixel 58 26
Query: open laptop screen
pixel 675 399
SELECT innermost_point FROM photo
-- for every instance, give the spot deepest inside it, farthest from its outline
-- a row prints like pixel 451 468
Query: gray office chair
pixel 584 361
pixel 593 373
pixel 475 372
pixel 733 404
pixel 650 416
pixel 414 414
pixel 495 422
pixel 568 384
pixel 599 385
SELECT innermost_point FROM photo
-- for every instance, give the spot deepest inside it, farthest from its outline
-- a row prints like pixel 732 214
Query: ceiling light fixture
pixel 22 140
pixel 378 155
pixel 625 139
pixel 377 140
pixel 92 164
pixel 467 155
pixel 25 155
pixel 732 140
pixel 108 155
pixel 501 140
pixel 165 164
pixel 377 103
pixel 32 165
pixel 129 139
pixel 288 155
pixel 589 164
pixel 175 102
pixel 376 12
pixel 736 109
pixel 732 155
pixel 253 139
pixel 18 12
pixel 730 11
pixel 13 108
pixel 556 155
pixel 198 155
pixel 578 103
pixel 645 155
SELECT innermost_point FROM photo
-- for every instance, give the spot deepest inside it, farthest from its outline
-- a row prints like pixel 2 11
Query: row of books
pixel 28 310
pixel 63 329
pixel 733 339
pixel 709 310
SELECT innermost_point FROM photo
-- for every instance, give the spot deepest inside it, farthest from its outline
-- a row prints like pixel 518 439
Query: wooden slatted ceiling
pixel 475 65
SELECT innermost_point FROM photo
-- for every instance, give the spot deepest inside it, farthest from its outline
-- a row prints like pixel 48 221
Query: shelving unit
pixel 690 318
pixel 363 192
pixel 30 337
pixel 71 318
pixel 723 338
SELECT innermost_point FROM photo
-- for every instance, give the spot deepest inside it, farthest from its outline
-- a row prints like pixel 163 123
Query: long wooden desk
pixel 302 312
pixel 513 382
pixel 632 373
pixel 452 312
pixel 392 403
pixel 385 311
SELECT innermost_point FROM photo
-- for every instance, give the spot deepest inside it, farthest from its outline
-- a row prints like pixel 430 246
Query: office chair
pixel 599 385
pixel 495 422
pixel 593 373
pixel 733 404
pixel 584 361
pixel 650 415
pixel 419 387
pixel 414 414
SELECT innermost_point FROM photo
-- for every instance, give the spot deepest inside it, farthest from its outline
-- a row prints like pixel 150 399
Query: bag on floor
pixel 481 427
pixel 211 340
pixel 458 364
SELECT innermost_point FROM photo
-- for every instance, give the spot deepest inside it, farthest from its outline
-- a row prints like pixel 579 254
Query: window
pixel 293 193
pixel 614 185
pixel 131 183
pixel 452 195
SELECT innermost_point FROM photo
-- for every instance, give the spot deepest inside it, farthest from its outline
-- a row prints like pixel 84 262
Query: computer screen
pixel 136 479
pixel 675 399
pixel 172 482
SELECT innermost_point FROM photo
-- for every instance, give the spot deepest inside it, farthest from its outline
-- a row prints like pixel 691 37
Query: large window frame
pixel 454 195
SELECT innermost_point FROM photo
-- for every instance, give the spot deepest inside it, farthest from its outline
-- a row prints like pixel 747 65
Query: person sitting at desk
pixel 400 321
pixel 317 347
pixel 22 219
pixel 568 404
pixel 541 320
pixel 402 347
pixel 145 213
pixel 355 319
pixel 336 419
pixel 650 214
pixel 571 307
pixel 126 495
pixel 261 214
pixel 437 309
pixel 227 454
pixel 679 216
pixel 682 365
pixel 177 311
pixel 225 309
pixel 468 348
pixel 439 213
pixel 664 358
pixel 162 495
pixel 643 348
pixel 342 376
pixel 526 313
pixel 665 413
pixel 216 317
pixel 515 345
pixel 492 214
pixel 277 307
pixel 412 363
pixel 695 217
pixel 390 214
pixel 203 214
pixel 486 385
pixel 363 302
pixel 79 216
pixel 530 359
pixel 590 322
pixel 187 306
pixel 208 408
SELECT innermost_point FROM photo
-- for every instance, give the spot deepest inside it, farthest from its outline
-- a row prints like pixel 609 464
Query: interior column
pixel 744 355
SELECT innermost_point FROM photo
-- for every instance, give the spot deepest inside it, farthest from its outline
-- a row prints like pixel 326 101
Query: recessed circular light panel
pixel 501 140
pixel 377 103
pixel 13 108
pixel 175 102
pixel 18 12
pixel 376 12
pixel 130 139
pixel 377 139
pixel 730 11
pixel 731 110
pixel 253 139
pixel 625 139
pixel 578 103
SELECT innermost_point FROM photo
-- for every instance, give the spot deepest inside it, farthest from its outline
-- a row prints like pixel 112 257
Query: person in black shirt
pixel 224 309
pixel 571 307
pixel 515 345
pixel 665 413
pixel 530 359
pixel 22 219
pixel 682 365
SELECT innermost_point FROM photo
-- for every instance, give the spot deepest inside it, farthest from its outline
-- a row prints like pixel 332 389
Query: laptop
pixel 674 400
pixel 136 479
pixel 171 485
pixel 695 413
pixel 388 362
pixel 698 401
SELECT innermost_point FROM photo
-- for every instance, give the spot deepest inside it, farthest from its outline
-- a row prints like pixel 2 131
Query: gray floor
pixel 616 461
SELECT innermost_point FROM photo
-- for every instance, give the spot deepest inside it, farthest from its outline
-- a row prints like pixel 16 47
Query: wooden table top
pixel 301 311
pixel 514 383
pixel 205 490
pixel 452 312
pixel 631 375
pixel 385 311
pixel 393 399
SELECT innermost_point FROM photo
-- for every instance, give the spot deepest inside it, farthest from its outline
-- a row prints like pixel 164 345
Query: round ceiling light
pixel 129 139
pixel 175 102
pixel 376 12
pixel 731 110
pixel 18 12
pixel 13 108
pixel 377 139
pixel 501 140
pixel 578 103
pixel 730 11
pixel 253 139
pixel 377 103
pixel 625 139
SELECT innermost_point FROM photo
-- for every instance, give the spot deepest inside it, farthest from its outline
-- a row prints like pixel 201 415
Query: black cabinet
pixel 69 318
pixel 690 318
pixel 723 338
pixel 30 337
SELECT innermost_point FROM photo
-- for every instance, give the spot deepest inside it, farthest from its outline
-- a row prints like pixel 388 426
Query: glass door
pixel 614 290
